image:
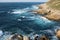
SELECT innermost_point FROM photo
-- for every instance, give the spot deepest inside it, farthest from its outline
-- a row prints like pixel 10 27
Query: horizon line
pixel 5 2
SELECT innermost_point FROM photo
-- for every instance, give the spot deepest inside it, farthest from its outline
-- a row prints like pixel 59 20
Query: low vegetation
pixel 54 4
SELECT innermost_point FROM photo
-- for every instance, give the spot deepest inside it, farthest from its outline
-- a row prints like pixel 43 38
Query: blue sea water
pixel 18 18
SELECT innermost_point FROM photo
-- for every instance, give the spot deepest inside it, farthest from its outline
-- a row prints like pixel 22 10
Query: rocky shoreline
pixel 49 13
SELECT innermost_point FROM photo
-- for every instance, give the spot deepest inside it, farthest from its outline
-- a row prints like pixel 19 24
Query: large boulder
pixel 15 37
pixel 53 16
pixel 26 38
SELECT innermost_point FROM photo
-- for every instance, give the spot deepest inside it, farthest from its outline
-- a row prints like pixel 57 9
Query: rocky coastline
pixel 48 12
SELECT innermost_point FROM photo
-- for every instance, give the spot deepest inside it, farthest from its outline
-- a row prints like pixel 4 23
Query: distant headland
pixel 50 10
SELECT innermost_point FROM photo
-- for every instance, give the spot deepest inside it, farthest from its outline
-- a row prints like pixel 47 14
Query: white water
pixel 1 32
pixel 20 11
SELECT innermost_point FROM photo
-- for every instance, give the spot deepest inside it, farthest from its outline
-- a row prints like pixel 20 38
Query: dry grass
pixel 54 4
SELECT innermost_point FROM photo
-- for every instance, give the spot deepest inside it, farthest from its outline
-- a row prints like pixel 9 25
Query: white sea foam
pixel 42 20
pixel 45 19
pixel 56 28
pixel 19 20
pixel 24 18
pixel 35 7
pixel 27 8
pixel 1 32
pixel 19 11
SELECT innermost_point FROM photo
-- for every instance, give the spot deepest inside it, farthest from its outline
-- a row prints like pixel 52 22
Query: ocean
pixel 18 18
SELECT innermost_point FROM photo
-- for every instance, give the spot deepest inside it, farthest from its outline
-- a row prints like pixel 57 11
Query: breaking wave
pixel 20 11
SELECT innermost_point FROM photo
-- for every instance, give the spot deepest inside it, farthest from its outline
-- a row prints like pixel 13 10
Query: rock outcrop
pixel 53 16
pixel 15 37
pixel 43 9
pixel 48 12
